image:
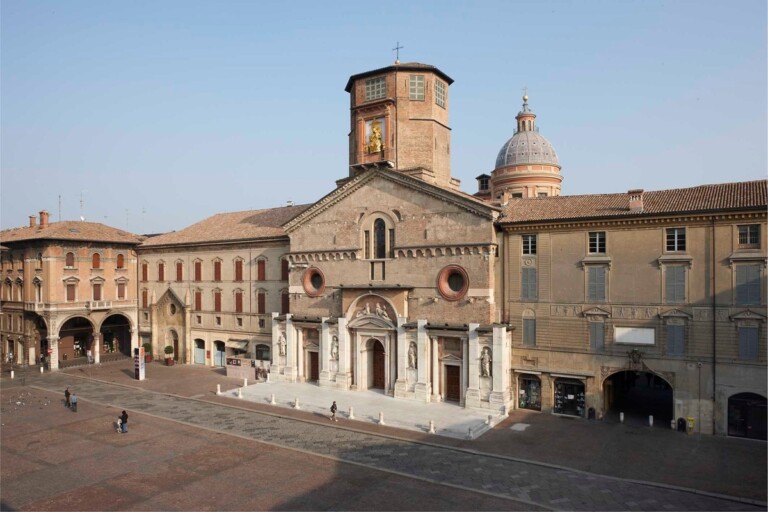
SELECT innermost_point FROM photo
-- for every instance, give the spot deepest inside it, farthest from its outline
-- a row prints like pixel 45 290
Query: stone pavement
pixel 434 459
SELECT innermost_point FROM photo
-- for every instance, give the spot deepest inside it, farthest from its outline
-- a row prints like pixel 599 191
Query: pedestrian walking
pixel 73 400
pixel 124 422
pixel 66 397
pixel 333 411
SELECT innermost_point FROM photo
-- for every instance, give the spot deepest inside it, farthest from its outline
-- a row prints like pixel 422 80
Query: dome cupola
pixel 527 164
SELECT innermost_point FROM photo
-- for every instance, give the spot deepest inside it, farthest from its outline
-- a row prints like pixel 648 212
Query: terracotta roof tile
pixel 228 227
pixel 70 230
pixel 704 198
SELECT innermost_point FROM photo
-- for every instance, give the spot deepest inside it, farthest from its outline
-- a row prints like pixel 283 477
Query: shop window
pixel 529 393
pixel 263 352
pixel 569 397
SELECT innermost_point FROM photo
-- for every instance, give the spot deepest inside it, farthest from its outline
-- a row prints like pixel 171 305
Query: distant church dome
pixel 526 146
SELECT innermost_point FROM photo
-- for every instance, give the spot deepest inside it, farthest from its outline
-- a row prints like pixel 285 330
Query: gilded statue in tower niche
pixel 374 135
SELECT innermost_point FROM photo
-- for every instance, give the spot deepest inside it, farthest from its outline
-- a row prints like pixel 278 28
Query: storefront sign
pixel 234 362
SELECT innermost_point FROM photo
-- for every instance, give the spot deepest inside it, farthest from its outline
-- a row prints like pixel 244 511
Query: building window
pixel 217 270
pixel 284 269
pixel 597 242
pixel 440 93
pixel 375 88
pixel 144 298
pixel 676 240
pixel 674 284
pixel 199 319
pixel 238 302
pixel 749 236
pixel 69 260
pixel 285 304
pixel 529 244
pixel 121 291
pixel 218 320
pixel 596 280
pixel 675 340
pixel 179 271
pixel 96 291
pixel 261 299
pixel 261 270
pixel 748 343
pixel 198 301
pixel 198 271
pixel 452 282
pixel 120 263
pixel 748 284
pixel 367 244
pixel 161 271
pixel 596 336
pixel 380 238
pixel 217 301
pixel 416 87
pixel 482 183
pixel 529 285
pixel 239 322
pixel 238 270
pixel 71 293
pixel 144 271
pixel 96 260
pixel 313 282
pixel 529 332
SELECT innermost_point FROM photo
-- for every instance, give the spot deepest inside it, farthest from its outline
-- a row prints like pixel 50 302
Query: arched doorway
pixel 75 340
pixel 175 344
pixel 115 336
pixel 638 395
pixel 199 351
pixel 218 353
pixel 376 365
pixel 747 415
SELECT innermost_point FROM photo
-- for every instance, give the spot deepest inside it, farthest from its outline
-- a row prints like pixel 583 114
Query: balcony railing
pixel 95 305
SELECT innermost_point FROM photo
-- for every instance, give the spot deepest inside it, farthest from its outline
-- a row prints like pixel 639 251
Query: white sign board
pixel 634 336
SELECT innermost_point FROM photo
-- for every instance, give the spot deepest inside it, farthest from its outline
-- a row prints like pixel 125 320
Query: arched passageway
pixel 639 395
pixel 75 340
pixel 116 335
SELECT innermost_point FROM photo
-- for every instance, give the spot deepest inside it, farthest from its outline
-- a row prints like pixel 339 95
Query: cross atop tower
pixel 397 49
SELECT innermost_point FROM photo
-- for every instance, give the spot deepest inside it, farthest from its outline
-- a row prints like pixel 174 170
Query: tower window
pixel 379 236
pixel 416 87
pixel 440 93
pixel 375 88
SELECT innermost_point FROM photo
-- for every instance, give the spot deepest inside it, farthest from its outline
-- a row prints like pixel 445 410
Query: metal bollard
pixel 672 424
pixel 296 403
pixel 41 369
pixel 239 392
pixel 469 433
pixel 381 418
pixel 621 417
pixel 11 374
pixel 351 413
pixel 488 421
pixel 245 382
pixel 218 389
pixel 431 427
pixel 650 420
pixel 272 401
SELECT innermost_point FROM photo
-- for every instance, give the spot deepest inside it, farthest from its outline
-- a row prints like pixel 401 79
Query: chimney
pixel 43 219
pixel 636 200
pixel 32 221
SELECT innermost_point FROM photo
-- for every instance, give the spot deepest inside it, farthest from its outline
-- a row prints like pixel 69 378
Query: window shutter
pixel 217 301
pixel 161 271
pixel 529 285
pixel 70 293
pixel 748 343
pixel 198 271
pixel 262 303
pixel 121 290
pixel 144 271
pixel 97 292
pixel 70 260
pixel 261 270
pixel 238 270
pixel 198 301
pixel 238 302
pixel 596 335
pixel 120 261
pixel 217 271
pixel 144 299
pixel 529 332
pixel 285 306
pixel 179 271
pixel 284 270
pixel 96 261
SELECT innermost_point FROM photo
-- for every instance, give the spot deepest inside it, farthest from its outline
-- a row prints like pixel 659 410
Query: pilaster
pixel 501 350
pixel 423 389
pixel 472 398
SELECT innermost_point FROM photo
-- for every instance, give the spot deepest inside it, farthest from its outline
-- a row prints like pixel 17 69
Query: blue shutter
pixel 748 284
pixel 748 343
pixel 596 335
pixel 675 340
pixel 596 284
pixel 529 332
pixel 529 289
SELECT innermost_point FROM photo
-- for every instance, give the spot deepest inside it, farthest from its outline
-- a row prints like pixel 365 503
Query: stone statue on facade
pixel 380 311
pixel 485 362
pixel 412 356
pixel 281 345
pixel 335 348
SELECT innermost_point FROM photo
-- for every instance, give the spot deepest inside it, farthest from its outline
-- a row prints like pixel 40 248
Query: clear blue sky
pixel 160 114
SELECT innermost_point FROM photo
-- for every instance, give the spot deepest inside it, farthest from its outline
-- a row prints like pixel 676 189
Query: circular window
pixel 314 282
pixel 172 309
pixel 452 282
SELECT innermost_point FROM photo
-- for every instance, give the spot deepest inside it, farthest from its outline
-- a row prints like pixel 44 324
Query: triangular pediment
pixel 748 314
pixel 596 312
pixel 170 297
pixel 370 322
pixel 458 199
pixel 676 313
pixel 451 357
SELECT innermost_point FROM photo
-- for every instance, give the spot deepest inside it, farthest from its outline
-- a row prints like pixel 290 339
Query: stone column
pixel 325 351
pixel 435 354
pixel 472 398
pixel 501 350
pixel 343 377
pixel 290 371
pixel 96 348
pixel 53 344
pixel 464 370
pixel 274 353
pixel 423 389
pixel 401 385
pixel 301 374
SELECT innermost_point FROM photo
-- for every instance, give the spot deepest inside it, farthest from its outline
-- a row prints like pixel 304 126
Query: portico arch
pixel 115 332
pixel 641 393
